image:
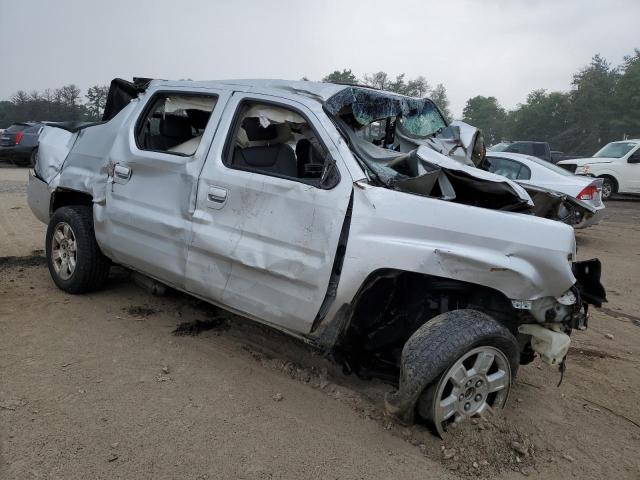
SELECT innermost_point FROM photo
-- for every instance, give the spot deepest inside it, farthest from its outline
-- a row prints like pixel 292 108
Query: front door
pixel 266 229
pixel 630 172
pixel 152 181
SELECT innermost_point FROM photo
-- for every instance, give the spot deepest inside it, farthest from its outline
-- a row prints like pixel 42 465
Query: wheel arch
pixel 392 304
pixel 62 197
pixel 610 176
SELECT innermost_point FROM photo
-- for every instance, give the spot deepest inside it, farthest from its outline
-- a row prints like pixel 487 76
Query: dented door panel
pixel 150 197
pixel 268 250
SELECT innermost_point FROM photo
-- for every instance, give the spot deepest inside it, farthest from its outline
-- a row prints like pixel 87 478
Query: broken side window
pixel 174 123
pixel 507 168
pixel 272 139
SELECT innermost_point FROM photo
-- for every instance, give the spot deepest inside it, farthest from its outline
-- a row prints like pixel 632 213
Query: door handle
pixel 121 174
pixel 216 197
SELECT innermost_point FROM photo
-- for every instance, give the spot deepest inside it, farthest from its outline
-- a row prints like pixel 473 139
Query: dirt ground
pixel 122 384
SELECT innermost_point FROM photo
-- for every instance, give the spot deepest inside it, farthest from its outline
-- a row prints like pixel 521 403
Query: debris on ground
pixel 217 324
pixel 141 311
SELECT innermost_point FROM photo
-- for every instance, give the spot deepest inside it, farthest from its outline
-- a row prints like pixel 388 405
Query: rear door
pixel 155 163
pixel 264 239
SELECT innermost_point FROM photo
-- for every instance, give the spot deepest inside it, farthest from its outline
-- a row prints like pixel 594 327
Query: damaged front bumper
pixel 557 317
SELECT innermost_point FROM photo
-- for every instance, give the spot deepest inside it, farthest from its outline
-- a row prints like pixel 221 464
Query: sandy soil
pixel 122 384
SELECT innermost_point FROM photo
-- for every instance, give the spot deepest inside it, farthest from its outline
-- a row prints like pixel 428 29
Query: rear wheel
pixel 27 163
pixel 75 261
pixel 608 188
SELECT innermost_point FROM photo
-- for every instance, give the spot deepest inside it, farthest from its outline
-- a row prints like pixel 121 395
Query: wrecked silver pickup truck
pixel 282 202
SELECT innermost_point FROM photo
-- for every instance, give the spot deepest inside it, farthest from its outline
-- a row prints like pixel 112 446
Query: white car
pixel 531 172
pixel 617 164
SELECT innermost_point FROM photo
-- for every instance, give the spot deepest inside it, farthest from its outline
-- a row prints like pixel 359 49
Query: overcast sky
pixel 490 47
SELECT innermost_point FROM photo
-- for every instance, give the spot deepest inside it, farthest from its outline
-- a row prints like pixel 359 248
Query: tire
pixel 458 339
pixel 609 187
pixel 27 163
pixel 70 237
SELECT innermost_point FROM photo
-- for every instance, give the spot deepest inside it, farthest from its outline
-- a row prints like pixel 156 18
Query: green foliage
pixel 603 105
pixel 62 104
pixel 486 114
pixel 337 76
pixel 439 96
pixel 96 100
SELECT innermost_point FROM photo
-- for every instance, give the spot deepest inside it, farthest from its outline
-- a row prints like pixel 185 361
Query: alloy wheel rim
pixel 64 250
pixel 606 190
pixel 479 380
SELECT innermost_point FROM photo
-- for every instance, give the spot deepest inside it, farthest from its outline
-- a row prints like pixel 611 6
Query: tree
pixel 19 98
pixel 69 95
pixel 627 100
pixel 96 100
pixel 344 76
pixel 418 87
pixel 544 117
pixel 439 97
pixel 486 114
pixel 378 80
pixel 593 105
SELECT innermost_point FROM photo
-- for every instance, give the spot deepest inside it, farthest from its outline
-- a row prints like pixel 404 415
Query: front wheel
pixel 608 188
pixel 75 261
pixel 455 366
pixel 477 381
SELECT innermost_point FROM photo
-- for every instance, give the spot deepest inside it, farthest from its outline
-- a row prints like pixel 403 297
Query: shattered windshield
pixel 423 123
pixel 614 150
pixel 418 116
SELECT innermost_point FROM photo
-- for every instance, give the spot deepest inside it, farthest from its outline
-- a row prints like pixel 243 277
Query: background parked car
pixel 532 171
pixel 19 142
pixel 617 163
pixel 535 149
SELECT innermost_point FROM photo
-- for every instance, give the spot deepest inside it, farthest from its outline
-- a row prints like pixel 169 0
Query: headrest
pixel 198 118
pixel 174 126
pixel 256 132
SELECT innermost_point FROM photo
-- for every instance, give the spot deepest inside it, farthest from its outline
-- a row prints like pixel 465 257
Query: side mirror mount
pixel 330 175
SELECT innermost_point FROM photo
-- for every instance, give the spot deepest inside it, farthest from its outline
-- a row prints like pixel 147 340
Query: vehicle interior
pixel 276 140
pixel 507 168
pixel 175 123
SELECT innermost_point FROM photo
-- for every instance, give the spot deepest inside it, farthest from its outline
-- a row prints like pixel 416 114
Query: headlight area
pixel 552 319
pixel 582 170
pixel 566 309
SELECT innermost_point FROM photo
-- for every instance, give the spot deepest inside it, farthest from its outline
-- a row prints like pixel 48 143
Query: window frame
pixel 149 105
pixel 232 133
pixel 510 160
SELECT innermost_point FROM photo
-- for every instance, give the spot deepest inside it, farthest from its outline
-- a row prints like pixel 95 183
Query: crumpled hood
pixel 430 156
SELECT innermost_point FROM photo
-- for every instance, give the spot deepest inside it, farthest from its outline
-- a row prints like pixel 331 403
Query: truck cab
pixel 269 198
